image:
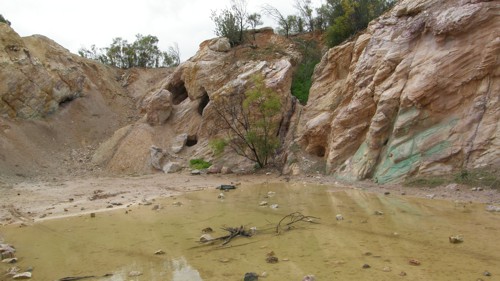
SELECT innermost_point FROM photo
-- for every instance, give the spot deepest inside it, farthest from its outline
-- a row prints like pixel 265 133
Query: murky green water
pixel 119 243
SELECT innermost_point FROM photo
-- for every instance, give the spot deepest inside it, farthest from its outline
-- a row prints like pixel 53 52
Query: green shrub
pixel 478 177
pixel 217 146
pixel 199 164
pixel 425 182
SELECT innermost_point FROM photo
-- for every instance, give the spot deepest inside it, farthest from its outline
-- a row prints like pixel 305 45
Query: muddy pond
pixel 358 236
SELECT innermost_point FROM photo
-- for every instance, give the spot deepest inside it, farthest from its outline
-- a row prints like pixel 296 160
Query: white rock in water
pixel 274 206
pixel 339 217
pixel 134 273
pixel 493 208
pixel 24 275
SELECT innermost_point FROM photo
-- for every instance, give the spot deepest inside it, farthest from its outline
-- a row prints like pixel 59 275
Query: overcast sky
pixel 75 24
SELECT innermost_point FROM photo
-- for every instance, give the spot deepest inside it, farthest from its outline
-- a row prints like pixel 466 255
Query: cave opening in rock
pixel 192 140
pixel 179 92
pixel 67 99
pixel 205 99
pixel 319 151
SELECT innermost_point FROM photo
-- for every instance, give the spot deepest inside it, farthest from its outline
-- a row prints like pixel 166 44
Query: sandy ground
pixel 30 201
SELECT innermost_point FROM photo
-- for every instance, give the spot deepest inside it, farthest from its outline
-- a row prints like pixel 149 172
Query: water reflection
pixel 404 229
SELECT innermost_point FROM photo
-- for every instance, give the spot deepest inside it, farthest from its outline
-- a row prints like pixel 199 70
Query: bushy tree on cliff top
pixel 143 52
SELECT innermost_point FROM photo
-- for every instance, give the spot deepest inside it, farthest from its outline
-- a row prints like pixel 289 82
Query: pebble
pixel 134 273
pixel 378 213
pixel 402 273
pixel 274 206
pixel 414 262
pixel 24 275
pixel 309 278
pixel 365 266
pixel 10 260
pixel 387 193
pixel 155 207
pixel 92 215
pixel 486 273
pixel 263 203
pixel 251 276
pixel 159 252
pixel 339 217
pixel 386 269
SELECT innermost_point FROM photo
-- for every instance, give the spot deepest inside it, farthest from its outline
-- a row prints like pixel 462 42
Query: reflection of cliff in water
pixel 383 231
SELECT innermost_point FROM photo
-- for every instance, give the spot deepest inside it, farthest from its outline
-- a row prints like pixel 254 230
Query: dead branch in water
pixel 293 218
pixel 233 232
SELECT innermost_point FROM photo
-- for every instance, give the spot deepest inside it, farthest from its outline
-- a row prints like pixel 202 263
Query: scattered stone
pixel 387 193
pixel 378 213
pixel 414 262
pixel 13 271
pixel 159 252
pixel 264 274
pixel 226 170
pixel 177 203
pixel 486 273
pixel 339 217
pixel 206 238
pixel 251 276
pixel 272 259
pixel 386 269
pixel 9 260
pixel 263 203
pixel 134 273
pixel 403 193
pixel 221 196
pixel 309 278
pixel 226 187
pixel 24 275
pixel 207 230
pixel 274 206
pixel 214 169
pixel 92 215
pixel 271 193
pixel 402 273
pixel 456 239
pixel 493 208
pixel 453 187
pixel 365 266
pixel 430 196
pixel 195 172
pixel 224 260
pixel 155 207
pixel 172 167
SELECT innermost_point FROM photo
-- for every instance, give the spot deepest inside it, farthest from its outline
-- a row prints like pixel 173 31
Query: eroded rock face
pixel 418 93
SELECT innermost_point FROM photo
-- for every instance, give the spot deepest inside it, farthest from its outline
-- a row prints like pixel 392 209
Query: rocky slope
pixel 56 107
pixel 417 93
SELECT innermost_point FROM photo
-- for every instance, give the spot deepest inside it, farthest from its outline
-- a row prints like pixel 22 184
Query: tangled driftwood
pixel 292 219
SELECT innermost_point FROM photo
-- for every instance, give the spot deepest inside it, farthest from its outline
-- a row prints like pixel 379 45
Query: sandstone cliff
pixel 417 93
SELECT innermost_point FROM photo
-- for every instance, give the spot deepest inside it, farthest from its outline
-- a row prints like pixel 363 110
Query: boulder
pixel 220 45
pixel 179 143
pixel 172 167
pixel 159 107
pixel 157 157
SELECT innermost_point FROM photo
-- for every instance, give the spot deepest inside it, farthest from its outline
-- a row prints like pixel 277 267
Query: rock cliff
pixel 417 93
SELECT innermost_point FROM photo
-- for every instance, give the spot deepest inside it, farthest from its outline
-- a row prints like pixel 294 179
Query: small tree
pixel 254 21
pixel 278 17
pixel 251 121
pixel 231 23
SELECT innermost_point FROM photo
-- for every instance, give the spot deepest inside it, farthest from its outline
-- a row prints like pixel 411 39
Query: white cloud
pixel 75 24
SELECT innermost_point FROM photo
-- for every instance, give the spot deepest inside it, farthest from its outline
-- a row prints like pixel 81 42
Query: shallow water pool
pixel 379 232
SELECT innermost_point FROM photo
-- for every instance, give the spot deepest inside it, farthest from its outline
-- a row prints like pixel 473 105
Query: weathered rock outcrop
pixel 184 122
pixel 417 93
